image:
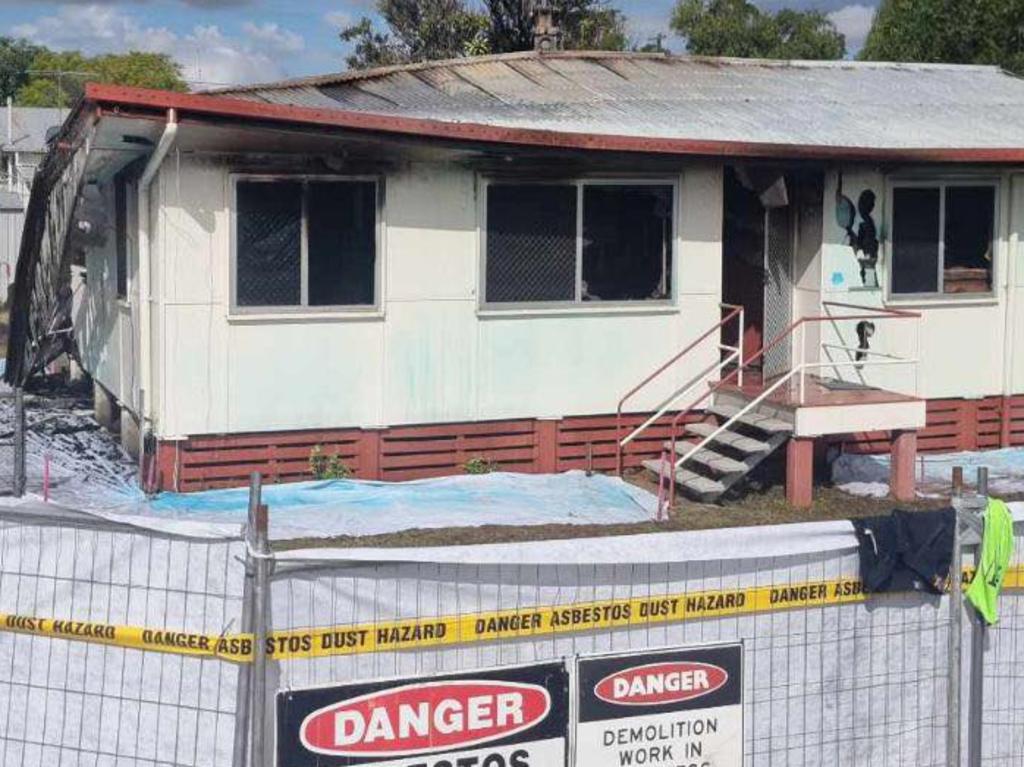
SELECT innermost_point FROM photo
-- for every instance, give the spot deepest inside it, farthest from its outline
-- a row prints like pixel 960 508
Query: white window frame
pixel 941 183
pixel 303 308
pixel 578 304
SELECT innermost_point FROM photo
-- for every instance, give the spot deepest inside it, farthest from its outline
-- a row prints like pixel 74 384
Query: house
pixel 546 260
pixel 22 148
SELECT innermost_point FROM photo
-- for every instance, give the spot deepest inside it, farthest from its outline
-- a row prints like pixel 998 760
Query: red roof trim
pixel 191 104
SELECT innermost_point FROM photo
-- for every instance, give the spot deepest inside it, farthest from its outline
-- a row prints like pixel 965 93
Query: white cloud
pixel 207 55
pixel 854 21
pixel 273 37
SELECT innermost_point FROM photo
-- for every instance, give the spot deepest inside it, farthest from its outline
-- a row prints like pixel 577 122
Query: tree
pixel 15 60
pixel 739 28
pixel 423 30
pixel 976 32
pixel 57 78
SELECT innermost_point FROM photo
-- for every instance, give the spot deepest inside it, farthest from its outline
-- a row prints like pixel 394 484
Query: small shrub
pixel 324 466
pixel 479 465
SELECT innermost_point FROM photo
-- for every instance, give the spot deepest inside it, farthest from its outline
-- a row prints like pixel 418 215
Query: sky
pixel 229 42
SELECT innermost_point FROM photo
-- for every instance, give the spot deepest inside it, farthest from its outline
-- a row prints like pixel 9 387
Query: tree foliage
pixel 739 28
pixel 424 30
pixel 975 32
pixel 56 78
pixel 15 60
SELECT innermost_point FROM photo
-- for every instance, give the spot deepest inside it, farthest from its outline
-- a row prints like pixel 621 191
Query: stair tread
pixel 723 464
pixel 752 418
pixel 689 479
pixel 729 438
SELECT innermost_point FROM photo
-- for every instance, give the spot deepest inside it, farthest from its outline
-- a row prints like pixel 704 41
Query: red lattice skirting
pixel 528 445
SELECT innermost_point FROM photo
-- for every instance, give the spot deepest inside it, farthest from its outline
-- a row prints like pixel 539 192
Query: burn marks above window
pixel 578 242
pixel 305 243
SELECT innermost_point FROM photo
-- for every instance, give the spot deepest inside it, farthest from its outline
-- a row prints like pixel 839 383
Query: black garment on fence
pixel 906 550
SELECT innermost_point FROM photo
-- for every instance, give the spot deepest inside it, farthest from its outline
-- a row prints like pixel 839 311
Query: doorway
pixel 758 240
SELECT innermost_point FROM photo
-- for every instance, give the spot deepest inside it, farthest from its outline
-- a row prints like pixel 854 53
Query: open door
pixel 743 261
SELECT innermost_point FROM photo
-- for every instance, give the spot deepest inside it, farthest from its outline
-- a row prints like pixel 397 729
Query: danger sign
pixel 679 708
pixel 511 717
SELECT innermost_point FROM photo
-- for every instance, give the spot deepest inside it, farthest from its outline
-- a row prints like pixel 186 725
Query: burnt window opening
pixel 943 238
pixel 121 236
pixel 306 243
pixel 578 242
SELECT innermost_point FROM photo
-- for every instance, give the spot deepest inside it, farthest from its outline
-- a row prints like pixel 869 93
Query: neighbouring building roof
pixel 11 200
pixel 658 96
pixel 30 125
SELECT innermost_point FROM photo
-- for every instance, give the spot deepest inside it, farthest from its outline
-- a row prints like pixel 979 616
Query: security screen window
pixel 305 243
pixel 531 243
pixel 578 242
pixel 942 238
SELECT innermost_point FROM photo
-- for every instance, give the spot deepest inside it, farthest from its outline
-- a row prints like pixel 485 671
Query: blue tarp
pixel 353 507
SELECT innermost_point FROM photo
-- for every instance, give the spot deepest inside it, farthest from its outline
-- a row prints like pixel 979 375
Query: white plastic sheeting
pixel 70 703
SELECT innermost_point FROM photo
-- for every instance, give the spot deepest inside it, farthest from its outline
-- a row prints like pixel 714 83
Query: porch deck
pixel 827 405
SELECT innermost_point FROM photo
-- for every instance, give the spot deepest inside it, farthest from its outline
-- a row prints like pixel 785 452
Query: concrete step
pixel 753 419
pixel 738 442
pixel 702 487
pixel 718 463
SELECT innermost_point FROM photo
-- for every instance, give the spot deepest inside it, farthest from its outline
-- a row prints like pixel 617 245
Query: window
pixel 942 238
pixel 305 243
pixel 578 242
pixel 121 235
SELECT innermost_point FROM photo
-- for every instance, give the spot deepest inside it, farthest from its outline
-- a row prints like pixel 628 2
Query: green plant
pixel 323 466
pixel 479 465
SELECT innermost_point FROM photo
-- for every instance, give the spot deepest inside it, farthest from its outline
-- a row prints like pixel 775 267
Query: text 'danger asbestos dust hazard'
pixel 680 708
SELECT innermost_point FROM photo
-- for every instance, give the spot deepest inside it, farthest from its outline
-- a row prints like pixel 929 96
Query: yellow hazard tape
pixel 521 623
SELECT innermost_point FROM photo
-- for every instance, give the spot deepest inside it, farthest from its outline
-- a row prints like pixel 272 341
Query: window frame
pixel 486 307
pixel 941 183
pixel 304 309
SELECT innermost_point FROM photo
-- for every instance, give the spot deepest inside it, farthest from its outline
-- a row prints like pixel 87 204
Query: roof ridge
pixel 349 75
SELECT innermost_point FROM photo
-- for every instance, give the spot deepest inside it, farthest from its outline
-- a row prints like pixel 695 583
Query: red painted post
pixel 369 453
pixel 545 435
pixel 800 472
pixel 902 460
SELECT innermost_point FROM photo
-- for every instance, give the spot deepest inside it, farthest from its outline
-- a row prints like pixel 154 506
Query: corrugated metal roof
pixel 841 104
pixel 29 128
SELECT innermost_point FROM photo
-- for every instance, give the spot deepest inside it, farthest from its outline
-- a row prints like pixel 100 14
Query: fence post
pixel 258 552
pixel 19 443
pixel 977 667
pixel 956 608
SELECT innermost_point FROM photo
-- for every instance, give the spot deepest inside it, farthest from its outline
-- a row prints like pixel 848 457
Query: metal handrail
pixel 801 368
pixel 736 355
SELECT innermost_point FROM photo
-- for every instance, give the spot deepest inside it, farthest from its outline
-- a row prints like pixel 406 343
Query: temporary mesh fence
pixel 1002 702
pixel 829 677
pixel 847 684
pixel 67 702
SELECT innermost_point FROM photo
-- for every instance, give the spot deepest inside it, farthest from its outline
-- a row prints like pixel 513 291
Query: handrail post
pixel 803 360
pixel 739 345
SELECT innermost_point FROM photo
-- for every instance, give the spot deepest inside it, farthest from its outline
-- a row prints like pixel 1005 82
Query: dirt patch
pixel 761 506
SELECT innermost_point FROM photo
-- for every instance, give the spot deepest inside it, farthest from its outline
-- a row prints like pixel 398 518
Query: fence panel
pixel 848 684
pixel 72 703
pixel 1002 709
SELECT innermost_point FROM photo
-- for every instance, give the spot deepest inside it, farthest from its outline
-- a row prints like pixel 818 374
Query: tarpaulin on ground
pixel 354 507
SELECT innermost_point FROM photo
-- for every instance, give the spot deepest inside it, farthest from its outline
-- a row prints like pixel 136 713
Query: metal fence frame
pixel 891 712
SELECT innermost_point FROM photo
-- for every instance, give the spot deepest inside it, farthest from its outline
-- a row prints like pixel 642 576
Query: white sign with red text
pixel 676 708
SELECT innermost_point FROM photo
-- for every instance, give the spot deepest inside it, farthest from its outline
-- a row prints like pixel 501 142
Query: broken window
pixel 627 242
pixel 305 243
pixel 580 241
pixel 942 238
